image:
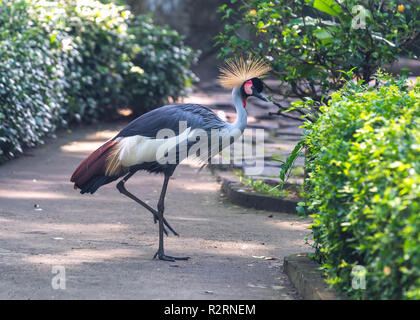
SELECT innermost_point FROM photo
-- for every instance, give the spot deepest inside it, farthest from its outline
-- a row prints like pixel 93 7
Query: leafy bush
pixel 30 95
pixel 94 44
pixel 77 60
pixel 164 62
pixel 308 42
pixel 364 188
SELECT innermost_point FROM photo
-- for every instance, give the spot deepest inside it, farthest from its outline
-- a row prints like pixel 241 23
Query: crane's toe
pixel 164 257
pixel 177 258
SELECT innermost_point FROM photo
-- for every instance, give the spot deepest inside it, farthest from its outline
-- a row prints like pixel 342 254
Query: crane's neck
pixel 241 115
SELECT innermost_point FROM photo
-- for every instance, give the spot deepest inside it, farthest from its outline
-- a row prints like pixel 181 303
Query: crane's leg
pixel 121 188
pixel 161 253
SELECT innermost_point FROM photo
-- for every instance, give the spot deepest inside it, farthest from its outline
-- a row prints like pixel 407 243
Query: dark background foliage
pixel 309 42
pixel 198 20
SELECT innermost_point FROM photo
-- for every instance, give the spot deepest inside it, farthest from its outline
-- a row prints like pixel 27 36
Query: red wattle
pixel 244 102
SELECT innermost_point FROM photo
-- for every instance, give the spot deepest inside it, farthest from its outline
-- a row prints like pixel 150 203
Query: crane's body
pixel 138 147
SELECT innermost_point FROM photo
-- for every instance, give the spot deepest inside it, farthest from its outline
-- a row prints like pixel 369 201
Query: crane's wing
pixel 194 116
pixel 137 143
pixel 144 139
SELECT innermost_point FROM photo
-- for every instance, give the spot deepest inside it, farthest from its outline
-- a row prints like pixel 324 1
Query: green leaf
pixel 322 34
pixel 328 6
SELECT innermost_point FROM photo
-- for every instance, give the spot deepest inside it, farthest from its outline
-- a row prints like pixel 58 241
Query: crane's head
pixel 246 75
pixel 253 88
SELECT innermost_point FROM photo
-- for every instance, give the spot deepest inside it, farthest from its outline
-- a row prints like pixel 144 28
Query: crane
pixel 138 147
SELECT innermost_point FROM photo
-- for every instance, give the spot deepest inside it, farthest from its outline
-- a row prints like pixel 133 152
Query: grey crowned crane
pixel 137 146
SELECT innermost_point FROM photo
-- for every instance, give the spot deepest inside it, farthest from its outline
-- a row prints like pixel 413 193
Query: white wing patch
pixel 139 149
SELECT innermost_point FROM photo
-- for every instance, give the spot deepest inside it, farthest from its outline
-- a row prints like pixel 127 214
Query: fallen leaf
pixel 270 258
pixel 277 287
pixel 256 286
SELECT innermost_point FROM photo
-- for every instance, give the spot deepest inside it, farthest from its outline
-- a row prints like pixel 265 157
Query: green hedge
pixel 364 189
pixel 74 60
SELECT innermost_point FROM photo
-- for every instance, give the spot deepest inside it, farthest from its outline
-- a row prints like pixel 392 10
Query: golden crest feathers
pixel 237 71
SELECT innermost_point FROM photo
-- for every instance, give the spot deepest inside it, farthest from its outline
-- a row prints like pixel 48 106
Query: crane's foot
pixel 164 257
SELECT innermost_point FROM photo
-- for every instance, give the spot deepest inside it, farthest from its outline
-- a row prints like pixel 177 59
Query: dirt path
pixel 106 241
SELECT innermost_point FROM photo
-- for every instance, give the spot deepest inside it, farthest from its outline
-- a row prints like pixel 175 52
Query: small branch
pixel 285 108
pixel 279 105
pixel 280 113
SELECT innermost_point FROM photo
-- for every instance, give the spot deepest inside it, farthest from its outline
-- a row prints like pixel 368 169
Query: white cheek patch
pixel 248 87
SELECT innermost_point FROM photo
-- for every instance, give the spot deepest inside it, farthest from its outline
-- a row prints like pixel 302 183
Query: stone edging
pixel 239 194
pixel 309 281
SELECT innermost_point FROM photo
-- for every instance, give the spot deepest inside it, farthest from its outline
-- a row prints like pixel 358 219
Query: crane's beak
pixel 259 96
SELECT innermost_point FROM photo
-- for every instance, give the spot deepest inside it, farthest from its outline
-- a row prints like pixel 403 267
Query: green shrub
pixel 76 60
pixel 30 80
pixel 308 42
pixel 164 62
pixel 94 40
pixel 364 188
